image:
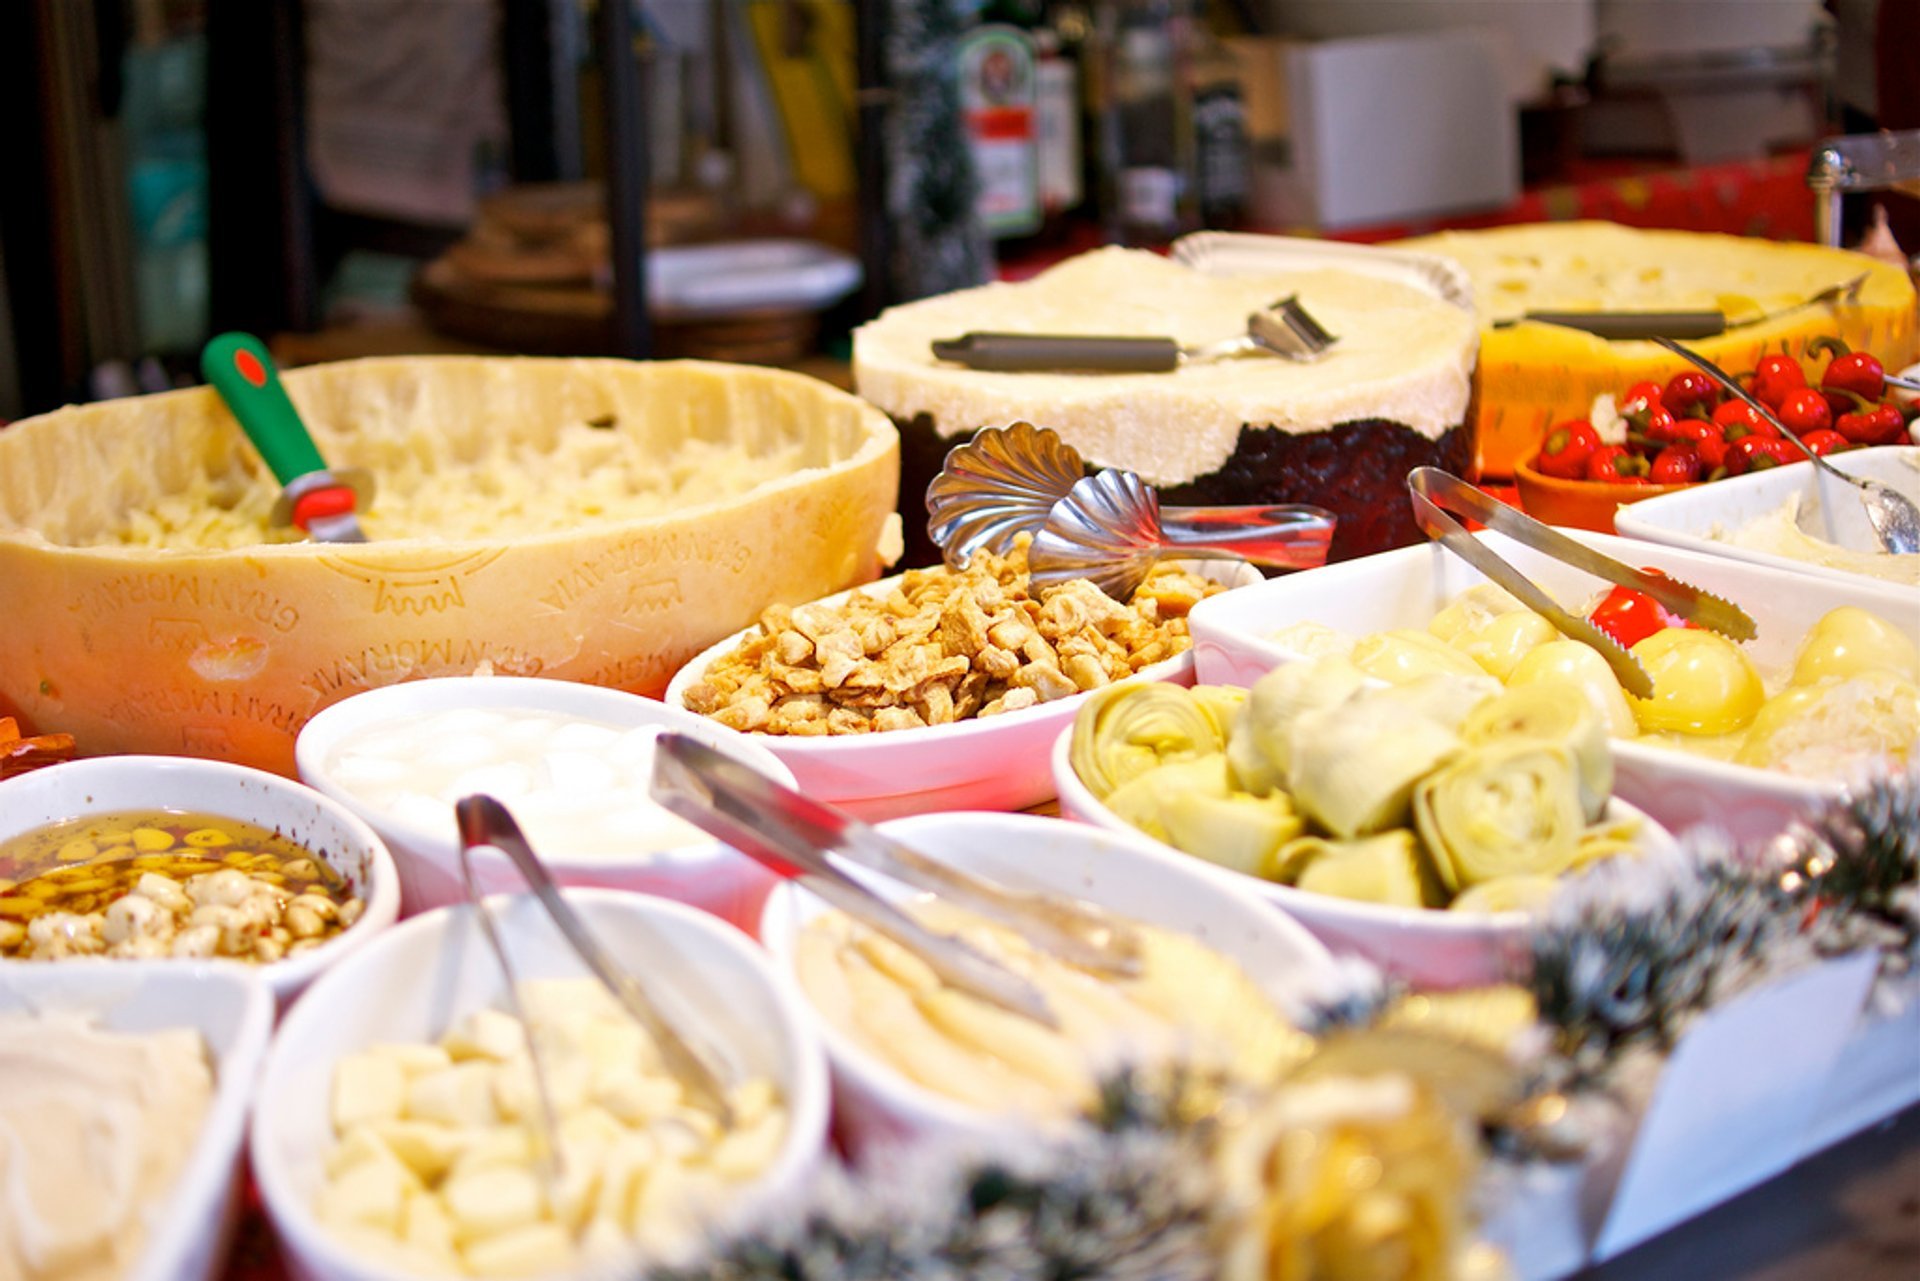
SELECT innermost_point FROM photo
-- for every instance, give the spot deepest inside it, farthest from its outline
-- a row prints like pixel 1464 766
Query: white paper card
pixel 1735 1102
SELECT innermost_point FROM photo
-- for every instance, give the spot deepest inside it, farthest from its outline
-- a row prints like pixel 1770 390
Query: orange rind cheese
pixel 1533 375
pixel 591 520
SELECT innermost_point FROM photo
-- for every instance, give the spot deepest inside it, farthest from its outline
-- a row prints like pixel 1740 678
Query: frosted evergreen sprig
pixel 1128 1201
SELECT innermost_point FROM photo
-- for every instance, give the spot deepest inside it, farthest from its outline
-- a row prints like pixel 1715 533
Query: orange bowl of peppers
pixel 1663 437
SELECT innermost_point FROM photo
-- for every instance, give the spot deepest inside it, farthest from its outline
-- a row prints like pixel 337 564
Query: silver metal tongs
pixel 1435 494
pixel 1109 527
pixel 799 838
pixel 699 1064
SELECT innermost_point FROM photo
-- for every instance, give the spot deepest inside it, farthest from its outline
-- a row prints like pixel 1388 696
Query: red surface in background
pixel 1766 198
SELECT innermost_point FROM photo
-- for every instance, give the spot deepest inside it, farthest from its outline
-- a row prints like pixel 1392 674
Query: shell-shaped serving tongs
pixel 699 1063
pixel 1108 527
pixel 1436 493
pixel 800 838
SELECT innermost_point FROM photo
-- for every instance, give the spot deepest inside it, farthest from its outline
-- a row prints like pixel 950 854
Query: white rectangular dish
pixel 232 1010
pixel 1830 510
pixel 1407 587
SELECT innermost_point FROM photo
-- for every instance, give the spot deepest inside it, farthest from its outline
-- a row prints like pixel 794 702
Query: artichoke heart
pixel 1472 610
pixel 1506 894
pixel 1550 712
pixel 1241 832
pixel 1354 766
pixel 1444 698
pixel 1505 809
pixel 1404 654
pixel 1125 730
pixel 1142 801
pixel 1257 742
pixel 1501 644
pixel 1385 869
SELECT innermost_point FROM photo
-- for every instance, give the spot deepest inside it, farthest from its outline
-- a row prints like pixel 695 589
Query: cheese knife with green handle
pixel 314 498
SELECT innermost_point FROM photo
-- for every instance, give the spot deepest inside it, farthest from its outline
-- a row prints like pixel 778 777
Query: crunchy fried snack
pixel 942 646
pixel 18 755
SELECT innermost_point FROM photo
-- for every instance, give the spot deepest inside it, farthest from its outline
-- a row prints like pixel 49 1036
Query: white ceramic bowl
pixel 1829 509
pixel 876 1107
pixel 232 1010
pixel 1431 948
pixel 705 874
pixel 110 784
pixel 1407 587
pixel 986 763
pixel 424 975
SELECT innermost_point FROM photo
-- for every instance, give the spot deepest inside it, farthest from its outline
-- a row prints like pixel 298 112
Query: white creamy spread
pixel 1783 532
pixel 95 1126
pixel 578 788
pixel 1189 1003
pixel 1403 354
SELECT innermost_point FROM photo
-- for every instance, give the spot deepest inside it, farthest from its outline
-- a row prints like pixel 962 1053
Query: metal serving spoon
pixel 1895 520
pixel 1108 527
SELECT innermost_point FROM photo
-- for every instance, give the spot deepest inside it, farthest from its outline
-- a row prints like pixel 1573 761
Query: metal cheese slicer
pixel 1284 329
pixel 1895 520
pixel 1108 527
pixel 799 838
pixel 702 1066
pixel 1436 494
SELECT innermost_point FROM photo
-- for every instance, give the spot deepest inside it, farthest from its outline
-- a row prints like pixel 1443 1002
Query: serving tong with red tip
pixel 1438 495
pixel 316 500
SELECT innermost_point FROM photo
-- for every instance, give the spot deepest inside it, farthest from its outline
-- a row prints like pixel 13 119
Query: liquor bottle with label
pixel 1146 135
pixel 999 103
pixel 1223 153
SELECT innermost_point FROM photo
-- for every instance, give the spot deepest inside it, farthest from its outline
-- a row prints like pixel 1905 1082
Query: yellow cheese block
pixel 1533 375
pixel 591 520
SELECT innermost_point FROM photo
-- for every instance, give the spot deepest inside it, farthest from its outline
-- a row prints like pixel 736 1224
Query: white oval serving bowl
pixel 878 1108
pixel 704 874
pixel 110 784
pixel 426 973
pixel 1429 947
pixel 1687 518
pixel 232 1010
pixel 1407 587
pixel 984 763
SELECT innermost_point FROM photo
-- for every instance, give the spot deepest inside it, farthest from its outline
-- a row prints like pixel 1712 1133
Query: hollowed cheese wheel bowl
pixel 589 520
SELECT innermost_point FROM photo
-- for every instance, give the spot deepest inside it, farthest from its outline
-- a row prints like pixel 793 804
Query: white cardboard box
pixel 1392 128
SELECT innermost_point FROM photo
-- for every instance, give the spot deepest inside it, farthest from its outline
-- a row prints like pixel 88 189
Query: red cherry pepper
pixel 1804 411
pixel 1823 442
pixel 1676 465
pixel 1757 453
pixel 1646 393
pixel 1881 425
pixel 1857 372
pixel 1774 377
pixel 1687 391
pixel 1564 451
pixel 1737 413
pixel 1630 616
pixel 1616 463
pixel 1712 450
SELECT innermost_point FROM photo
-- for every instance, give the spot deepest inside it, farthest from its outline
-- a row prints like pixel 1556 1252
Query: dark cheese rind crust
pixel 1357 470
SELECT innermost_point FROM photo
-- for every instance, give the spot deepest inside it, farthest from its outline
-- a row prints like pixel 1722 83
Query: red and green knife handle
pixel 240 368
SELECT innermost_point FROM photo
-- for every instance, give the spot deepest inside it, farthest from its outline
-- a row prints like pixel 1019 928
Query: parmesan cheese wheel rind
pixel 1533 375
pixel 225 652
pixel 1403 354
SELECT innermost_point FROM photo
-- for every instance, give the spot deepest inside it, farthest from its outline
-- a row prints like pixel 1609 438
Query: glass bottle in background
pixel 998 62
pixel 1146 143
pixel 1223 152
